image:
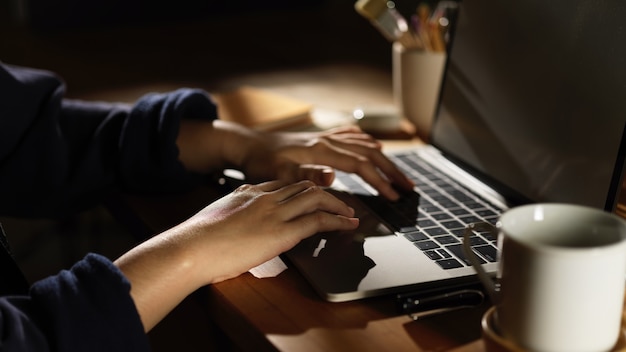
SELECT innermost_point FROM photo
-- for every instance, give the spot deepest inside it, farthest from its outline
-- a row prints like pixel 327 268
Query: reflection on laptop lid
pixel 537 107
pixel 529 111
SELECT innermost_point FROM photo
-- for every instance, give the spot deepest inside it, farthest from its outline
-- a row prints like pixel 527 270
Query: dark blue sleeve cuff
pixel 89 308
pixel 149 161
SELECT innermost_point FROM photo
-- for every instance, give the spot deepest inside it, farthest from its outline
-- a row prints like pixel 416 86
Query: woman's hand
pixel 313 155
pixel 232 235
pixel 289 156
pixel 257 222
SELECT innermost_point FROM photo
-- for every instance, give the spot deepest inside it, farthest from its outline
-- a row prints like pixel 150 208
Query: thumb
pixel 319 174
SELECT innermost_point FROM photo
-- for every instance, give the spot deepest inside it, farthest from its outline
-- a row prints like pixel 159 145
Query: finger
pixel 391 171
pixel 289 190
pixel 351 134
pixel 343 129
pixel 271 186
pixel 372 175
pixel 315 199
pixel 292 172
pixel 320 221
pixel 366 164
pixel 321 175
pixel 365 144
pixel 359 141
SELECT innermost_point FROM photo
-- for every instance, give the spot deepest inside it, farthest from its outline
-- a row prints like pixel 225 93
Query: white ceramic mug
pixel 561 276
pixel 416 78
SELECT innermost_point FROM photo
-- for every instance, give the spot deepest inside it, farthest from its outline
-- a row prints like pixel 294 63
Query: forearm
pixel 160 274
pixel 166 268
pixel 206 146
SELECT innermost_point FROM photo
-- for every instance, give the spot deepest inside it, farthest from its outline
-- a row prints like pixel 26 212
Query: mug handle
pixel 489 284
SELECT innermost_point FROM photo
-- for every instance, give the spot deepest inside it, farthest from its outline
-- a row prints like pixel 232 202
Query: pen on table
pixel 419 304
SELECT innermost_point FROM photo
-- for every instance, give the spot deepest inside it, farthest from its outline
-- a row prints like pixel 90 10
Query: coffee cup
pixel 561 276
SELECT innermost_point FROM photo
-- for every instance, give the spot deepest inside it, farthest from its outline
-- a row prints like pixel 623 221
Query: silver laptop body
pixel 532 112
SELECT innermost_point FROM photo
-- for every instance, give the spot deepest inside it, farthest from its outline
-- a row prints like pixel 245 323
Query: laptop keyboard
pixel 434 218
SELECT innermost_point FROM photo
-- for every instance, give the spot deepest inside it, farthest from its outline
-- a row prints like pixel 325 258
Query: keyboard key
pixel 415 236
pixel 433 255
pixel 441 199
pixel 452 224
pixel 476 241
pixel 426 223
pixel 473 205
pixel 470 219
pixel 492 220
pixel 449 263
pixel 487 251
pixel 426 245
pixel 458 232
pixel 443 253
pixel 490 236
pixel 485 212
pixel 441 216
pixel 457 250
pixel 459 211
pixel 460 196
pixel 429 208
pixel 447 239
pixel 436 231
pixel 407 229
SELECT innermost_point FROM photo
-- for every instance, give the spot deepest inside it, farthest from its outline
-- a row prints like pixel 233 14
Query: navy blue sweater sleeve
pixel 59 155
pixel 86 308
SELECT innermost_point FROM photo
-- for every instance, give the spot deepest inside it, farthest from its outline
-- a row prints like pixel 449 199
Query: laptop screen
pixel 534 98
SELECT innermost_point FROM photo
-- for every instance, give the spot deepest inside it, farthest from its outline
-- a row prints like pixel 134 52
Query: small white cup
pixel 416 77
pixel 561 277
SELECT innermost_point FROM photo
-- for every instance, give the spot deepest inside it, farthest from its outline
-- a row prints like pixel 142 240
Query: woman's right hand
pixel 227 238
pixel 258 222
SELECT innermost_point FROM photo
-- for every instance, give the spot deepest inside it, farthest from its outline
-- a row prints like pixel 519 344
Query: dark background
pixel 109 43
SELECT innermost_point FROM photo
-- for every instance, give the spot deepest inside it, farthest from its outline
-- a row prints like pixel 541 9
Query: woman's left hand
pixel 289 156
pixel 295 156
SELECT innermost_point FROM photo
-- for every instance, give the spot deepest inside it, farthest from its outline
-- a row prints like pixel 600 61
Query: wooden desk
pixel 283 312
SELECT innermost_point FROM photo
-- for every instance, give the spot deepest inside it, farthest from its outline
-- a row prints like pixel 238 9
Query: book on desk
pixel 262 109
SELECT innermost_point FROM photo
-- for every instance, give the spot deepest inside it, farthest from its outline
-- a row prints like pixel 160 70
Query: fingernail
pixel 328 176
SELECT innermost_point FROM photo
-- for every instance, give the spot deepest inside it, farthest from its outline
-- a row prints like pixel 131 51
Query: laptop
pixel 529 111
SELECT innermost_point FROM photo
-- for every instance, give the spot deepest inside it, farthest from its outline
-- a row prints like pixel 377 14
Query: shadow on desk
pixel 283 313
pixel 447 331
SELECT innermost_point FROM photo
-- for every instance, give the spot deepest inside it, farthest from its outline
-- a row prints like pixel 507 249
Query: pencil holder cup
pixel 416 76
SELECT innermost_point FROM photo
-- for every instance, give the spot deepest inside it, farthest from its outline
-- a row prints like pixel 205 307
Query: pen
pixel 384 16
pixel 436 35
pixel 419 304
pixel 439 23
pixel 420 25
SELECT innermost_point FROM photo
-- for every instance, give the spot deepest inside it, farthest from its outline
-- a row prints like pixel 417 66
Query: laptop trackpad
pixel 346 265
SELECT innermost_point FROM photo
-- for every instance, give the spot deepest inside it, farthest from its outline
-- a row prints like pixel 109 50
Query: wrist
pixel 161 273
pixel 236 142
